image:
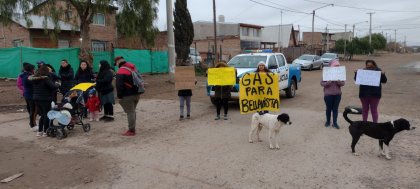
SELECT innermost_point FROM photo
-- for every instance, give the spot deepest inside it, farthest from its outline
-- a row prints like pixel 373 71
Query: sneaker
pixel 327 124
pixel 217 117
pixel 44 135
pixel 109 119
pixel 181 118
pixel 39 134
pixel 103 118
pixel 336 126
pixel 129 133
pixel 34 128
pixel 97 119
pixel 188 116
pixel 90 119
pixel 225 117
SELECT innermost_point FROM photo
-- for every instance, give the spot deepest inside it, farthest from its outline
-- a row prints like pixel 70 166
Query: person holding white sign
pixel 370 95
pixel 332 97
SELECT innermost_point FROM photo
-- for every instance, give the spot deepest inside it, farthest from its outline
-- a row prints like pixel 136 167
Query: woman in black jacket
pixel 106 90
pixel 84 73
pixel 43 87
pixel 66 74
pixel 370 95
pixel 222 95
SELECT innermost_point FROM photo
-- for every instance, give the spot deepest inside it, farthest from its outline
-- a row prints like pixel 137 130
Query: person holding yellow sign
pixel 222 95
pixel 262 69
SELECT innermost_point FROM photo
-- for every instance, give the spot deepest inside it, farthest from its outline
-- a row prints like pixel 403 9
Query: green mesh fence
pixel 11 59
pixel 10 62
pixel 98 56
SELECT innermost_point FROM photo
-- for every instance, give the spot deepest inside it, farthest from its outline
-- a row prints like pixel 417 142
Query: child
pixel 185 95
pixel 93 105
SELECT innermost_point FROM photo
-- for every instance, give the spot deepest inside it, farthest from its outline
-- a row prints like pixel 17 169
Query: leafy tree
pixel 144 10
pixel 184 31
pixel 134 23
pixel 361 45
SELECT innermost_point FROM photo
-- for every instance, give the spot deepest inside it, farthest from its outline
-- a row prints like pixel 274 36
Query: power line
pixel 330 22
pixel 360 8
pixel 287 10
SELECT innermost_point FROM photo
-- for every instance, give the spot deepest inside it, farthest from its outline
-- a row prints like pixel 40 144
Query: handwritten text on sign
pixel 258 92
pixel 221 76
pixel 368 77
pixel 334 73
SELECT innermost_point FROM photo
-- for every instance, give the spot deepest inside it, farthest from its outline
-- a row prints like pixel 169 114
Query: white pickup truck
pixel 289 74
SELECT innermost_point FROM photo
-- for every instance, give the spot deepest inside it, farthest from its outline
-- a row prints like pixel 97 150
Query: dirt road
pixel 204 153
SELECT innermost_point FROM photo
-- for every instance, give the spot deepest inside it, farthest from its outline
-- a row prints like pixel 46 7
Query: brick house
pixel 102 32
pixel 323 42
pixel 232 38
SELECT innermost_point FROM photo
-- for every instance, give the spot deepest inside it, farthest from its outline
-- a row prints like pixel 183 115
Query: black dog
pixel 382 131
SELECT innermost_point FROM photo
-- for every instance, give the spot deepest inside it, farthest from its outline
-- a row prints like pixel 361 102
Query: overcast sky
pixel 402 15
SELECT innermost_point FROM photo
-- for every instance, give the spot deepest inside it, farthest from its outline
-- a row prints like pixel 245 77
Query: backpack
pixel 137 79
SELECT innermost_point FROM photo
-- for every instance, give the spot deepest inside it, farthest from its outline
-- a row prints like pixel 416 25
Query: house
pixel 232 38
pixel 103 32
pixel 285 35
pixel 322 42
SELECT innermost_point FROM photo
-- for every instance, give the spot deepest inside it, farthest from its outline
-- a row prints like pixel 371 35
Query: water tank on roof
pixel 221 18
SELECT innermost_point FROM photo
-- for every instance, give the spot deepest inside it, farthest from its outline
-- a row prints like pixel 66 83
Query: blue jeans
pixel 332 102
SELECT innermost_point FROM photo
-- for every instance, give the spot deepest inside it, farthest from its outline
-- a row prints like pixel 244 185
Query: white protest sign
pixel 334 73
pixel 368 77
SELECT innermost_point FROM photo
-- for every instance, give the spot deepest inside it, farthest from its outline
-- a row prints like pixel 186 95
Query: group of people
pixel 39 87
pixel 369 95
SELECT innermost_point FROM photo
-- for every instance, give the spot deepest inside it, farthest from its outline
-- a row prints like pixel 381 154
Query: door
pixel 283 71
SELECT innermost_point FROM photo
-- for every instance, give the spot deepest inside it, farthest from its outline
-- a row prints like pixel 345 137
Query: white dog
pixel 272 122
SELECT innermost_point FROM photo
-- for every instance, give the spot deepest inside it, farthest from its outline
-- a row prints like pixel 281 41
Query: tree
pixel 134 23
pixel 139 10
pixel 184 31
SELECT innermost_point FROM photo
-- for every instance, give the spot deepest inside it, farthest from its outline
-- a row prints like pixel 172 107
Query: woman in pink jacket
pixel 332 97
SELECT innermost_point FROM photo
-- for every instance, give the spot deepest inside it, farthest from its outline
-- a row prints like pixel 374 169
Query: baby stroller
pixel 70 114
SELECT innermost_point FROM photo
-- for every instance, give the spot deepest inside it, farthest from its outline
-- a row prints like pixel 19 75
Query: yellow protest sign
pixel 258 92
pixel 221 76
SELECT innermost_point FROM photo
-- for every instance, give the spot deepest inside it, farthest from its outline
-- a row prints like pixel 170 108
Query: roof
pixel 250 26
pixel 38 23
pixel 272 34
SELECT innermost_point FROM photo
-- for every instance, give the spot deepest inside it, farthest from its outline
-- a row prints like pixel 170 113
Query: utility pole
pixel 313 21
pixel 280 33
pixel 171 42
pixel 328 39
pixel 216 57
pixel 370 27
pixel 312 34
pixel 345 39
pixel 405 42
pixel 299 33
pixel 395 43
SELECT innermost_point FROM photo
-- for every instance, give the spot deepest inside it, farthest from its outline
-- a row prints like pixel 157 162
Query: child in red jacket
pixel 92 105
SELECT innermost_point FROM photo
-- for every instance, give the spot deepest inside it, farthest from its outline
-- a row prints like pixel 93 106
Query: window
pixel 99 19
pixel 272 64
pixel 256 33
pixel 68 14
pixel 17 43
pixel 280 59
pixel 98 46
pixel 244 31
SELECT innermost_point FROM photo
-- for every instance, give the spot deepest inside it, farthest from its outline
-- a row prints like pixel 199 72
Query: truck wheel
pixel 291 91
pixel 213 100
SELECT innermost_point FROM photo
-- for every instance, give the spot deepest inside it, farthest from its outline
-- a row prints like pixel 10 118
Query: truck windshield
pixel 250 61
